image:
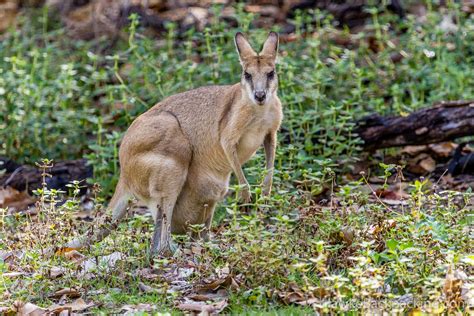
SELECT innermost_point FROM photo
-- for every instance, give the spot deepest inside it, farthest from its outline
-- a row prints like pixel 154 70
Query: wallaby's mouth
pixel 260 97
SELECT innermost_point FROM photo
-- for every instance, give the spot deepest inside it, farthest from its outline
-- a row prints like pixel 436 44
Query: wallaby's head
pixel 259 76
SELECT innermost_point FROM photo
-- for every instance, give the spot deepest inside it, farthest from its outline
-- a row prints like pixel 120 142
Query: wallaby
pixel 178 156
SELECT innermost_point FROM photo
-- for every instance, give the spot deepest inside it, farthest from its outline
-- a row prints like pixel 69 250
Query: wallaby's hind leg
pixel 158 230
pixel 166 183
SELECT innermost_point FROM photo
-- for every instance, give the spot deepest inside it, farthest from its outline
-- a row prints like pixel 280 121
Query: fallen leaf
pixel 27 309
pixel 69 292
pixel 208 296
pixel 202 307
pixel 394 202
pixel 294 294
pixel 421 164
pixel 414 150
pixel 132 309
pixel 14 199
pixel 347 235
pixel 309 301
pixel 320 292
pixel 56 272
pixel 183 273
pixel 10 256
pixel 223 273
pixel 228 282
pixel 394 193
pixel 197 250
pixel 444 149
pixel 76 306
pixel 148 274
pixel 263 10
pixel 12 274
pixel 145 288
pixel 104 263
pixel 428 164
pixel 292 297
pixel 74 255
pixel 63 251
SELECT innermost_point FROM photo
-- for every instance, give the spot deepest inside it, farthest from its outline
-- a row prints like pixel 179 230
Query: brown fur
pixel 178 156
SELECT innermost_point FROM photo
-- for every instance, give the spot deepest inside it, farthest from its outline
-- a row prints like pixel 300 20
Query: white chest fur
pixel 254 134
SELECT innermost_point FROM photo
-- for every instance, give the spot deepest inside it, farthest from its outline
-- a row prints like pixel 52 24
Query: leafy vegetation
pixel 61 99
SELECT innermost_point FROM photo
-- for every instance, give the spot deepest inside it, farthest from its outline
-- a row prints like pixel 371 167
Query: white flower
pixel 429 53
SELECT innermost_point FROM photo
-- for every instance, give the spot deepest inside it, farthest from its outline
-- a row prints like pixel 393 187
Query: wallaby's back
pixel 198 112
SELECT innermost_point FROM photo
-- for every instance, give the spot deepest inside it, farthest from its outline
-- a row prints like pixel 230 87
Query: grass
pixel 64 99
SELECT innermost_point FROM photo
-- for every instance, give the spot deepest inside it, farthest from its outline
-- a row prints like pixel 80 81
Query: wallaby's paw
pixel 266 191
pixel 245 195
pixel 166 250
pixel 267 185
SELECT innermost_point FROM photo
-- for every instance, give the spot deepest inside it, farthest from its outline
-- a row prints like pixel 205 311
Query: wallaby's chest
pixel 253 136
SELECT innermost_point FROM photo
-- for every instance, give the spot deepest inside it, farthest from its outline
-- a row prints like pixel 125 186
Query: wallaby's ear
pixel 270 47
pixel 243 47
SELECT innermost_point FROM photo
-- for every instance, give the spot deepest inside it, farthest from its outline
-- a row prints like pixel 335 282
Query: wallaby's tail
pixel 118 205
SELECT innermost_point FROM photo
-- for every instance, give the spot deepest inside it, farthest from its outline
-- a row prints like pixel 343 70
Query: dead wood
pixel 26 177
pixel 442 122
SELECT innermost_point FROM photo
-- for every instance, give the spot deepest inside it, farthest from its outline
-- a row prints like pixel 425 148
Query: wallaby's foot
pixel 167 249
pixel 162 244
pixel 245 195
pixel 267 185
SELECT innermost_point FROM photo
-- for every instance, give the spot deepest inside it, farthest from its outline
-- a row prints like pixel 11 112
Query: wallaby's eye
pixel 270 75
pixel 247 76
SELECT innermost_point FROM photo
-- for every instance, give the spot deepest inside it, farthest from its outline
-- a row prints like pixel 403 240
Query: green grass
pixel 62 99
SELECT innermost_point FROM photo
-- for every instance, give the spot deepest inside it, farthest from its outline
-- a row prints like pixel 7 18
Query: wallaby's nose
pixel 260 96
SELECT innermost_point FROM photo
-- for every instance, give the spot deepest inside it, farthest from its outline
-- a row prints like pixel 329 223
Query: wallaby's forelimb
pixel 233 158
pixel 269 144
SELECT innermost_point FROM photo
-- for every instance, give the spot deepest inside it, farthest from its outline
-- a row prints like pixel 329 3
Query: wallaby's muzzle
pixel 260 97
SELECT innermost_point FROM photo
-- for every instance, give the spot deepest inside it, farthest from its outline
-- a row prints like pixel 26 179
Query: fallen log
pixel 444 121
pixel 26 177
